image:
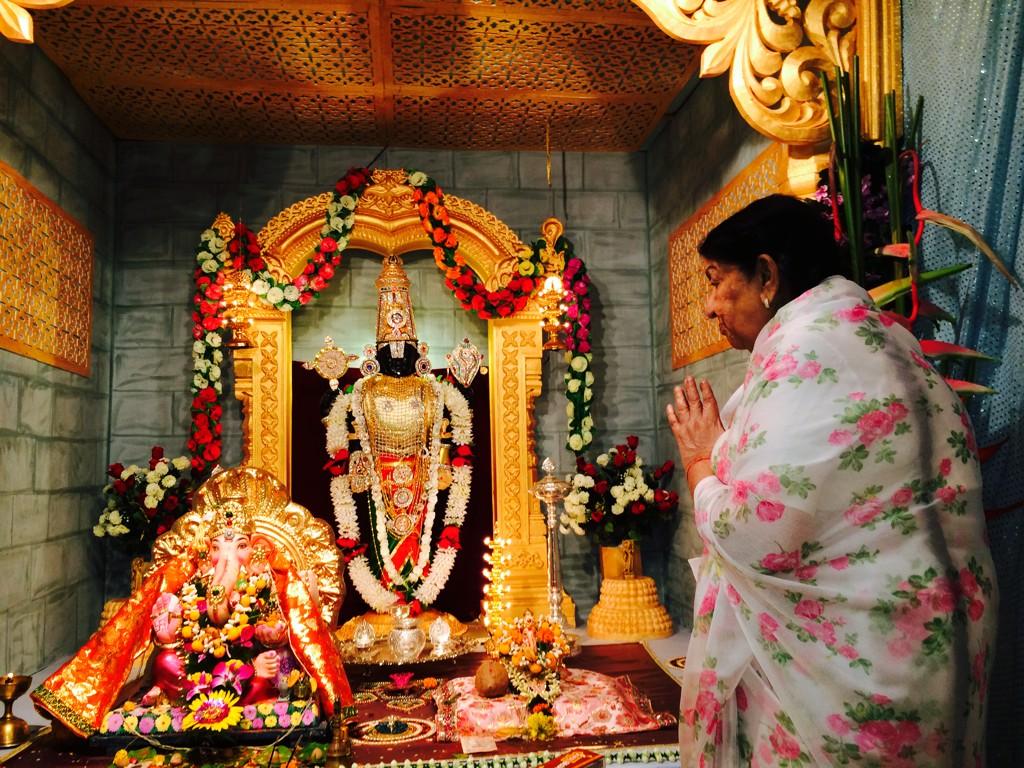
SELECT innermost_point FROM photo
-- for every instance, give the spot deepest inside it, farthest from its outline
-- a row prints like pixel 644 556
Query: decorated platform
pixel 413 714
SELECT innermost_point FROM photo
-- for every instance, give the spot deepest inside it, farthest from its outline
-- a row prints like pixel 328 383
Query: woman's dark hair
pixel 795 233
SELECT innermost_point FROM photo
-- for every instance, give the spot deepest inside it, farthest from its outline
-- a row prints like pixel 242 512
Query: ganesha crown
pixel 229 519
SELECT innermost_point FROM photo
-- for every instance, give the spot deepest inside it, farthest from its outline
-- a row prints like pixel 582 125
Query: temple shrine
pixel 365 374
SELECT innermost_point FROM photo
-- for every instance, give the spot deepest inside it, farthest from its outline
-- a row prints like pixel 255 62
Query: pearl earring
pixel 764 300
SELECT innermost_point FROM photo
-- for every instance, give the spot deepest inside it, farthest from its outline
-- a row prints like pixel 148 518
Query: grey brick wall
pixel 696 153
pixel 53 424
pixel 168 193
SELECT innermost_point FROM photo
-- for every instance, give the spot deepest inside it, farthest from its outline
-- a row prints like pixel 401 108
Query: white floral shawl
pixel 845 605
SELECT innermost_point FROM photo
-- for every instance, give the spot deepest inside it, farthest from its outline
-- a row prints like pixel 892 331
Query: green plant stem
pixel 894 187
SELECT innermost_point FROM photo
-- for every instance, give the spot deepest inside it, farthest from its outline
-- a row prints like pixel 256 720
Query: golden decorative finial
pixel 550 295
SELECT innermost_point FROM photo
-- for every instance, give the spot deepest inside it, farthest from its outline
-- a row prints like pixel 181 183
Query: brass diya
pixel 13 730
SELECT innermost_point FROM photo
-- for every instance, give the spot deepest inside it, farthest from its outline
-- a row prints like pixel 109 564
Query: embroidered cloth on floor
pixel 589 704
pixel 846 602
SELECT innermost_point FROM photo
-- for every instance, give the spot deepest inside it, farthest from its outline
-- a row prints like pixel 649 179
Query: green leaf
pixel 886 293
pixel 937 349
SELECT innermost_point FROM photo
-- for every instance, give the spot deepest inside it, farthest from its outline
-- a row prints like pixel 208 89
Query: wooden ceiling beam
pixel 383 69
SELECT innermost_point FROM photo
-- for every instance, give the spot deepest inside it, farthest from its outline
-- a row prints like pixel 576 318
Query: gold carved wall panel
pixel 387 223
pixel 693 336
pixel 46 273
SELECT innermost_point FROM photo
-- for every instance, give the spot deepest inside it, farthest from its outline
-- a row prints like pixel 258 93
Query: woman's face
pixel 736 301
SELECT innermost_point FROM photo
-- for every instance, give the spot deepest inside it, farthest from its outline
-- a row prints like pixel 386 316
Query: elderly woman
pixel 845 604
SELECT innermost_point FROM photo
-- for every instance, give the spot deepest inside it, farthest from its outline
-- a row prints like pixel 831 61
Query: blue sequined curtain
pixel 966 57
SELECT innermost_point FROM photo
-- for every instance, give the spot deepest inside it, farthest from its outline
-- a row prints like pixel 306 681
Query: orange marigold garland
pixel 467 287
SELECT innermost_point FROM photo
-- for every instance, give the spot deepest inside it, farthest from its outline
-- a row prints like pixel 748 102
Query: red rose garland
pixel 468 289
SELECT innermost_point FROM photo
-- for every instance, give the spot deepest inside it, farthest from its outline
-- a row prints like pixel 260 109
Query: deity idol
pixel 396 421
pixel 232 623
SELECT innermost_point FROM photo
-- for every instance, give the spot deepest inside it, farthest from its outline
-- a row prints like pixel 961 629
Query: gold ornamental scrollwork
pixel 773 50
pixel 16 22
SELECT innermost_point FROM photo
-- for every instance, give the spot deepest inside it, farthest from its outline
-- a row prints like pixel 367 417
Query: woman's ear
pixel 768 272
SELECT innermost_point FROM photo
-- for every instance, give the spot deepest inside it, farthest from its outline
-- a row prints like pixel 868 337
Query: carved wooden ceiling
pixel 480 74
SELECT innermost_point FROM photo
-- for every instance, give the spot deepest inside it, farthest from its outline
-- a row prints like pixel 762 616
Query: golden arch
pixel 387 223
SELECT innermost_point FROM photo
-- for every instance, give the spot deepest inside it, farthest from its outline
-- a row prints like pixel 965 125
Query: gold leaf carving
pixel 512 520
pixel 772 50
pixel 46 268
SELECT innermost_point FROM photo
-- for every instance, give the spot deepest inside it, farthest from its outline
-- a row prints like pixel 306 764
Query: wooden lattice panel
pixel 512 122
pixel 45 278
pixel 522 54
pixel 438 73
pixel 693 336
pixel 243 115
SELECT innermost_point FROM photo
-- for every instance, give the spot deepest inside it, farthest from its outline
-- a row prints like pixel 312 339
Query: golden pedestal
pixel 628 608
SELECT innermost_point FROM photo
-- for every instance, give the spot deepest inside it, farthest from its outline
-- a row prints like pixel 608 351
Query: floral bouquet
pixel 614 498
pixel 140 502
pixel 533 653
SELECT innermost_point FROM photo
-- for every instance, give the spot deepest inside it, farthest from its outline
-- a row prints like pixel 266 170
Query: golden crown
pixel 230 518
pixel 395 322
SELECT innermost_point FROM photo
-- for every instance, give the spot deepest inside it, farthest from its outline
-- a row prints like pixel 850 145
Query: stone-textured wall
pixel 168 193
pixel 705 145
pixel 53 424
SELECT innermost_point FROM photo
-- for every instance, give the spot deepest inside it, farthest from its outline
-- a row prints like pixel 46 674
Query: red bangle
pixel 691 462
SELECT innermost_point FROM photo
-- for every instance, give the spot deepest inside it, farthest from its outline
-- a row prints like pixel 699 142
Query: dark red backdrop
pixel 311 489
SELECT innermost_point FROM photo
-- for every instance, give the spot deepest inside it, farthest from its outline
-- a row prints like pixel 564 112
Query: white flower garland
pixel 578 382
pixel 207 356
pixel 376 595
pixel 340 220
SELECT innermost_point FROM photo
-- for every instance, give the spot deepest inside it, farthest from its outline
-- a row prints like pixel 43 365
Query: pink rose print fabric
pixel 846 598
pixel 590 704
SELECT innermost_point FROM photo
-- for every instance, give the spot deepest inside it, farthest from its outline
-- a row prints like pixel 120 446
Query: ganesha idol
pixel 237 635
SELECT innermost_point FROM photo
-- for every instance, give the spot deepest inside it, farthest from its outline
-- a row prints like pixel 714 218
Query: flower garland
pixel 201 637
pixel 533 654
pixel 219 659
pixel 340 219
pixel 204 442
pixel 467 288
pixel 474 296
pixel 430 575
pixel 243 254
pixel 579 378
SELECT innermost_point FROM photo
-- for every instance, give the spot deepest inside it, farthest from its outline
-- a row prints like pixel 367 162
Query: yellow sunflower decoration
pixel 213 711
